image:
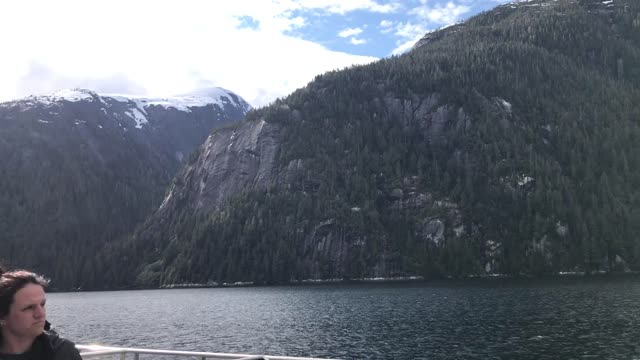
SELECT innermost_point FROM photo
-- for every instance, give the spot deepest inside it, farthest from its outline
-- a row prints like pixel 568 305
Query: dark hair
pixel 11 282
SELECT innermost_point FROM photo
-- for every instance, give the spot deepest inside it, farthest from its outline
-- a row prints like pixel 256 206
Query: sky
pixel 259 49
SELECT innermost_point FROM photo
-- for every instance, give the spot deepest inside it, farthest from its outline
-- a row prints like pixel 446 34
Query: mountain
pixel 80 169
pixel 507 144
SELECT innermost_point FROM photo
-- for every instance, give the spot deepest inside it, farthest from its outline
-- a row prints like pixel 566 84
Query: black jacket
pixel 47 346
pixel 57 348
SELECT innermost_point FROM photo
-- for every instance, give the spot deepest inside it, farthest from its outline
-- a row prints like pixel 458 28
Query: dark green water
pixel 488 319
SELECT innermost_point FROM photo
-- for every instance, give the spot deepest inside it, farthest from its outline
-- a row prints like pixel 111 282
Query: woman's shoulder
pixel 61 348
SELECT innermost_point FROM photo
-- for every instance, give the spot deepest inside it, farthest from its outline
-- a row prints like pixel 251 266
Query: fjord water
pixel 558 319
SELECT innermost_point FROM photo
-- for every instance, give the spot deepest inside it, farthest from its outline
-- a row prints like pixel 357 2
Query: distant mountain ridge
pixel 504 145
pixel 203 97
pixel 130 113
pixel 80 169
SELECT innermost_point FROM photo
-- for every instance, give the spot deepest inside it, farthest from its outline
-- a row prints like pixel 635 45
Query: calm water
pixel 573 319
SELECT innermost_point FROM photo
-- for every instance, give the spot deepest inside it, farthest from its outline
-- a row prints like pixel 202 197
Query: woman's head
pixel 22 302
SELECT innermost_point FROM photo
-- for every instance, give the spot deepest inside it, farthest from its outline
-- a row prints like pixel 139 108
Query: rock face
pixel 80 169
pixel 247 158
pixel 230 161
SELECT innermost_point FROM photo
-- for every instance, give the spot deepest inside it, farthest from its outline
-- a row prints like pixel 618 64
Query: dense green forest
pixel 521 128
pixel 75 176
pixel 508 144
pixel 64 193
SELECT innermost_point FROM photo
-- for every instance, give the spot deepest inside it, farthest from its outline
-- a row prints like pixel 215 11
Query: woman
pixel 24 331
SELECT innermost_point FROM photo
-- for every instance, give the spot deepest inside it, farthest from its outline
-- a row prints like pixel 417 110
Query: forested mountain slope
pixel 79 169
pixel 506 144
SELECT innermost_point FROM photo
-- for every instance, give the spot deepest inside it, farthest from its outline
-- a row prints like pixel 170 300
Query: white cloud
pixel 342 7
pixel 356 41
pixel 409 33
pixel 404 47
pixel 349 32
pixel 164 47
pixel 387 26
pixel 440 14
pixel 409 30
pixel 297 22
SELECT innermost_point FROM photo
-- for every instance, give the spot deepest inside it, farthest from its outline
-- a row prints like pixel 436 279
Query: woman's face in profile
pixel 27 314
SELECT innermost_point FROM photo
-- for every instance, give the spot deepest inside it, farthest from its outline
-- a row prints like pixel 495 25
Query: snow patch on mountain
pixel 73 95
pixel 209 96
pixel 138 116
pixel 51 99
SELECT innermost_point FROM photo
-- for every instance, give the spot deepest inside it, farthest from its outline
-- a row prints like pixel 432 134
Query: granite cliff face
pixel 231 160
pixel 248 158
pixel 245 157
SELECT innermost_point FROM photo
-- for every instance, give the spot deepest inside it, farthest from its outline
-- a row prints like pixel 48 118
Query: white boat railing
pixel 100 352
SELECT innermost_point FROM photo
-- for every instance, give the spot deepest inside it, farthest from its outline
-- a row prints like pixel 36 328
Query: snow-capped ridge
pixel 135 106
pixel 200 98
pixel 50 99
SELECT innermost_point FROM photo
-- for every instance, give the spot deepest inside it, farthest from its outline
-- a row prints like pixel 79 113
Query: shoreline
pixel 418 279
pixel 456 281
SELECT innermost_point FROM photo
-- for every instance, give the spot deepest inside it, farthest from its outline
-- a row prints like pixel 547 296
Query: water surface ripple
pixel 575 319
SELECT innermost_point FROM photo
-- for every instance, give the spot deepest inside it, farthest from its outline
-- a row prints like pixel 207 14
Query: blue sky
pixel 260 49
pixel 383 31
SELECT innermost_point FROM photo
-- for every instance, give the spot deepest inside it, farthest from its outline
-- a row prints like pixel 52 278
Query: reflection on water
pixel 569 319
